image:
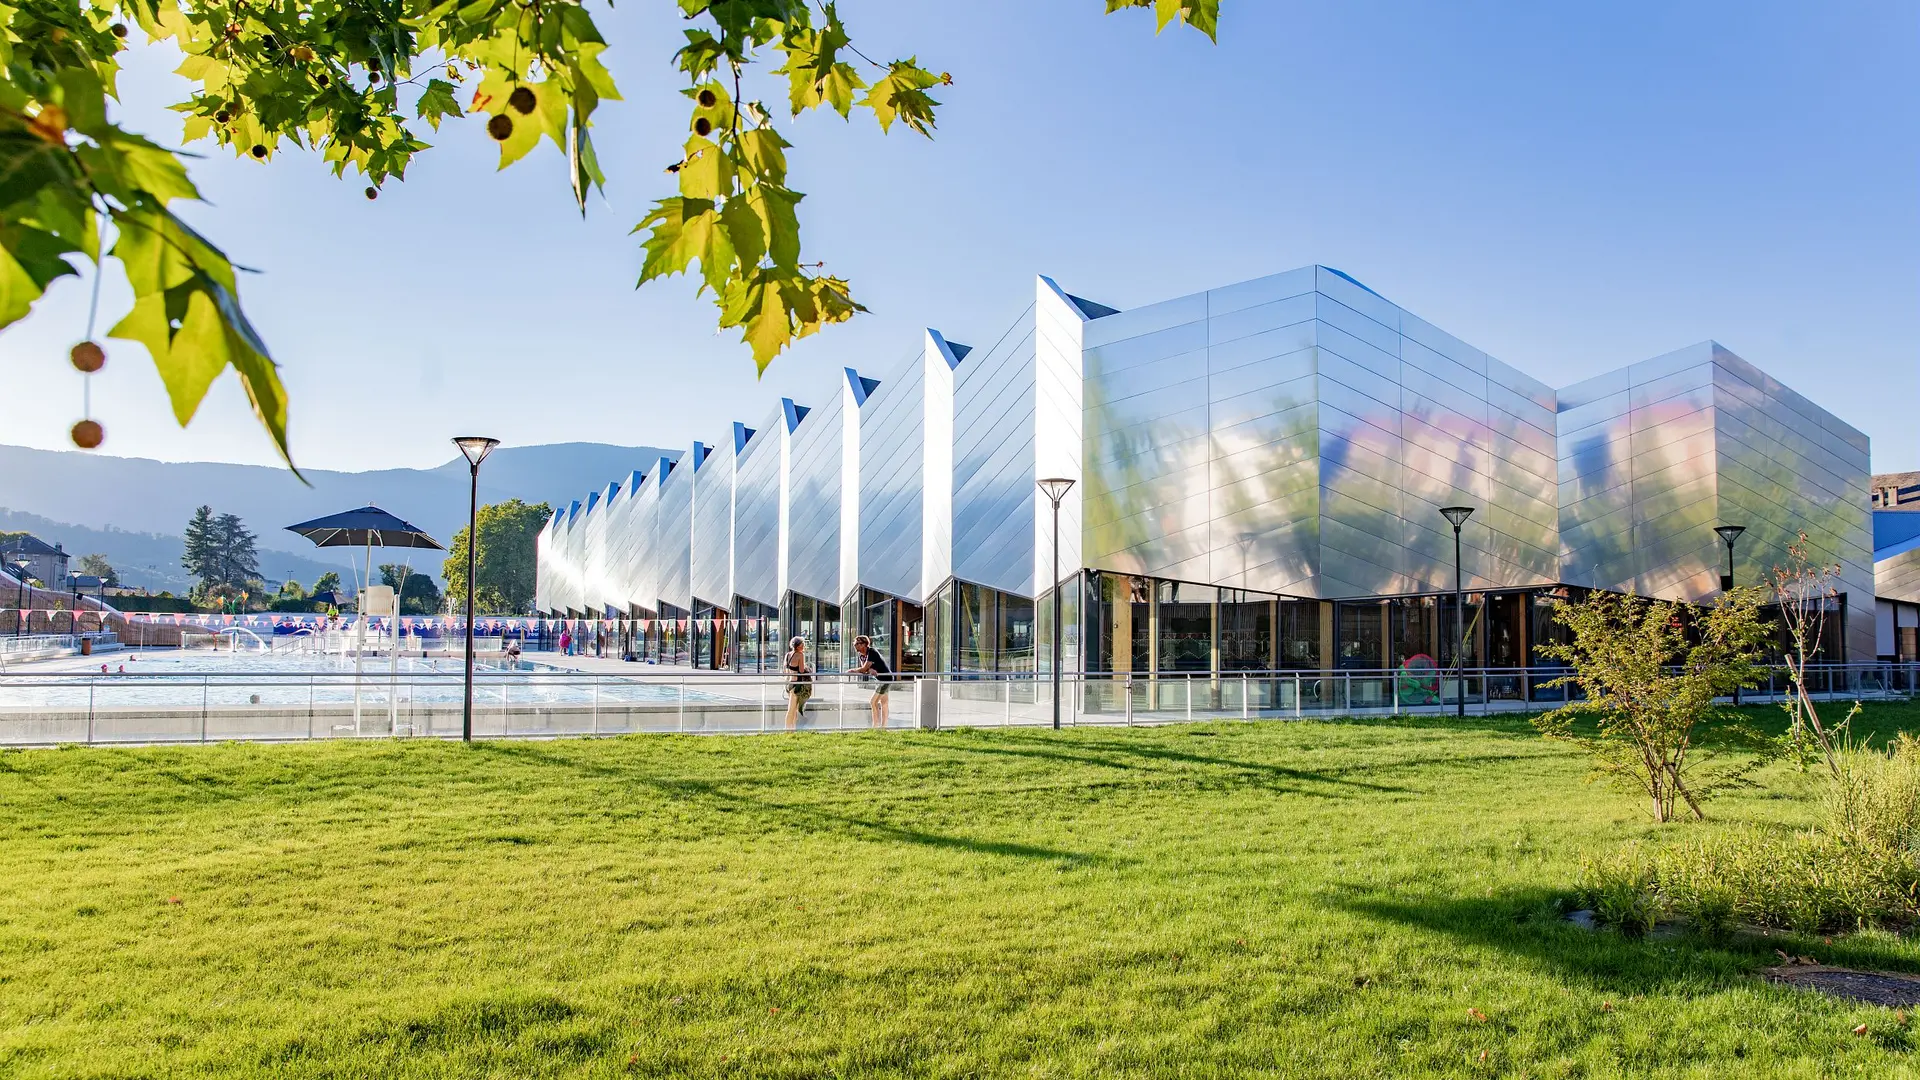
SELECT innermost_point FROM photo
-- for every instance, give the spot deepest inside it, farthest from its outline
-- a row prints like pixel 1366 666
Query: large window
pixel 1300 645
pixel 1413 623
pixel 1359 631
pixel 1186 626
pixel 1016 633
pixel 1246 630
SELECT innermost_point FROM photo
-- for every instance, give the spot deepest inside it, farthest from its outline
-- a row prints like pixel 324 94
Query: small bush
pixel 1622 891
pixel 1859 869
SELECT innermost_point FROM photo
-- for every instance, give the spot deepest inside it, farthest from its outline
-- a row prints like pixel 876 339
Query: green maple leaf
pixel 684 231
pixel 437 102
pixel 1202 15
pixel 705 172
pixel 902 94
pixel 814 72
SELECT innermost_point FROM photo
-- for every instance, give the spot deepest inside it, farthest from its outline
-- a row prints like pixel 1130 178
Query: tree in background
pixel 221 551
pixel 96 565
pixel 1649 671
pixel 201 555
pixel 239 557
pixel 327 582
pixel 328 77
pixel 419 596
pixel 504 569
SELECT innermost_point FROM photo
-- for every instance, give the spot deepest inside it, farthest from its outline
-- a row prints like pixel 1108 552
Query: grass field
pixel 1305 899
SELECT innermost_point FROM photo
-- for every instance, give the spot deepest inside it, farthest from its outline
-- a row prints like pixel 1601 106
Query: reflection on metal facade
pixel 813 501
pixel 673 534
pixel 756 514
pixel 712 562
pixel 1653 456
pixel 892 489
pixel 1296 434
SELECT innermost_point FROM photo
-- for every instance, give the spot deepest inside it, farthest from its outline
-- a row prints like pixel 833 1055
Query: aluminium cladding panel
pixel 623 551
pixel 1786 467
pixel 1264 444
pixel 1146 504
pixel 892 455
pixel 993 462
pixel 1298 434
pixel 1058 448
pixel 1897 577
pixel 756 524
pixel 546 591
pixel 813 537
pixel 939 359
pixel 1653 456
pixel 643 580
pixel 1637 478
pixel 673 535
pixel 712 553
pixel 595 541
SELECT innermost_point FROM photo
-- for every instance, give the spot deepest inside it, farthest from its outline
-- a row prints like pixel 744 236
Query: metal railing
pixel 538 701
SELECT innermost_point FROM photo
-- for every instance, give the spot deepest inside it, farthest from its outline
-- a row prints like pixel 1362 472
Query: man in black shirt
pixel 874 666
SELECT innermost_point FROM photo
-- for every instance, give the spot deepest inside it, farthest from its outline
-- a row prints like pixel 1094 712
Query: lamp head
pixel 1055 487
pixel 1730 533
pixel 1456 515
pixel 475 447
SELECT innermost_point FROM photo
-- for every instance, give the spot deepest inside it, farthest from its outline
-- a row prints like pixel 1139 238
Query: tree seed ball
pixel 119 30
pixel 500 127
pixel 373 193
pixel 707 99
pixel 88 357
pixel 373 63
pixel 258 151
pixel 522 100
pixel 373 78
pixel 702 126
pixel 323 78
pixel 87 434
pixel 220 117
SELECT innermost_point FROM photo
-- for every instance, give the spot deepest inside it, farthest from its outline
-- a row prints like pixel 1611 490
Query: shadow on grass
pixel 797 815
pixel 1528 926
pixel 1079 752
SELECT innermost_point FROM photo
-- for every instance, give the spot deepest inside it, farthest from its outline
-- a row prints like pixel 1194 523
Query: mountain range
pixel 133 510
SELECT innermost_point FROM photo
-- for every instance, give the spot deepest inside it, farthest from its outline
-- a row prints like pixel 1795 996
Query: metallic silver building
pixel 1260 470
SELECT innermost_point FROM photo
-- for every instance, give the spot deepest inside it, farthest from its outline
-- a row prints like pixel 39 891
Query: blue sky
pixel 1570 187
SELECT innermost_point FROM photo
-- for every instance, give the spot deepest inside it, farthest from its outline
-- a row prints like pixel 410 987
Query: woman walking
pixel 799 682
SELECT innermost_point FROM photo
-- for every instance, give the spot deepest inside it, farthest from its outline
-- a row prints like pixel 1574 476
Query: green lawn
pixel 1301 899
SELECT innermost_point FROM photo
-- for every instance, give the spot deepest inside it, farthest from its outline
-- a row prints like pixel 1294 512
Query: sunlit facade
pixel 1259 475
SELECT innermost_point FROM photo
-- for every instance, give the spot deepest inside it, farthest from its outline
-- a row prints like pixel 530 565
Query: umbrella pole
pixel 393 660
pixel 360 633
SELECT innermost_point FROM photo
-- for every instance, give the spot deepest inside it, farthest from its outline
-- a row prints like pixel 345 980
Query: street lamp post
pixel 1729 533
pixel 1055 488
pixel 475 449
pixel 1457 516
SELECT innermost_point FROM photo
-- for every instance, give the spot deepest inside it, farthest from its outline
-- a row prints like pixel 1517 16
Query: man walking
pixel 874 666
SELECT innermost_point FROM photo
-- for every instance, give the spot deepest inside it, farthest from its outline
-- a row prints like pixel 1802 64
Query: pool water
pixel 196 680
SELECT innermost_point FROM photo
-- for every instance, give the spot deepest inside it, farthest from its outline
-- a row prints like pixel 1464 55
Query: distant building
pixel 1896 491
pixel 35 557
pixel 84 583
